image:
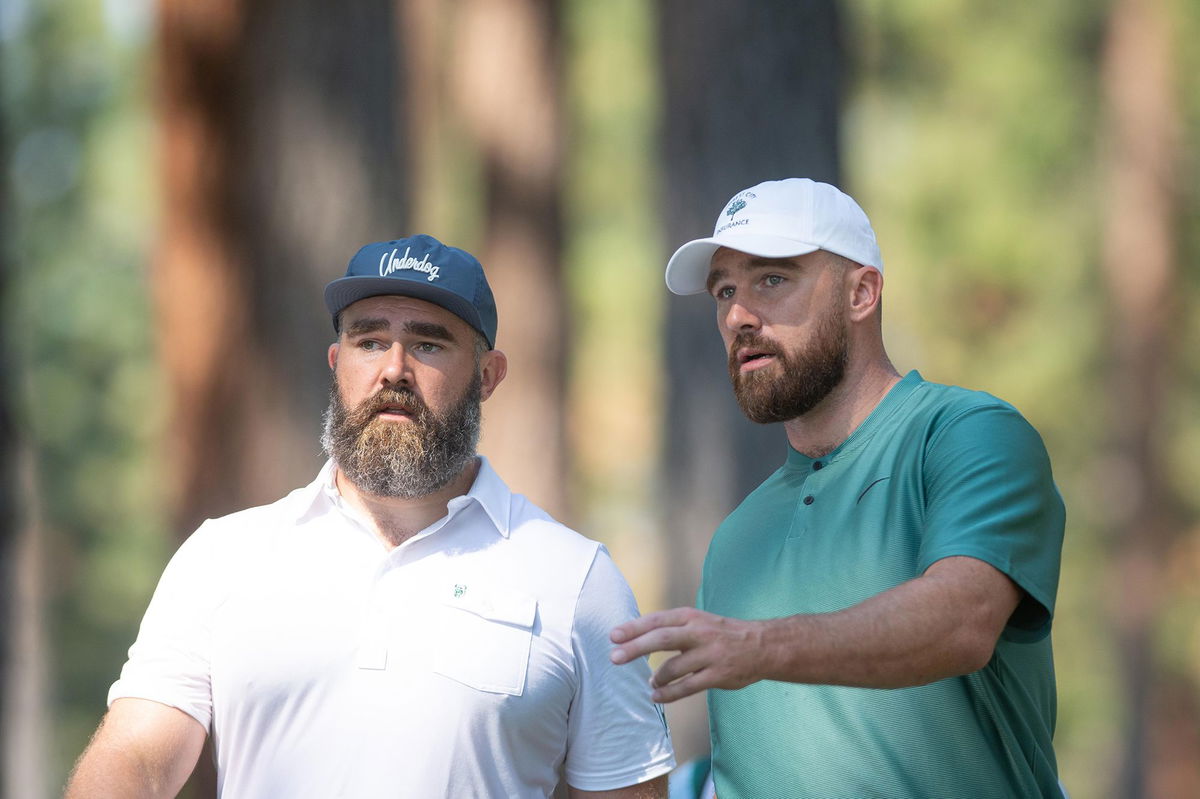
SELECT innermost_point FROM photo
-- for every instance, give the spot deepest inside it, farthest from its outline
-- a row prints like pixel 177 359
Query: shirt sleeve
pixel 616 735
pixel 990 495
pixel 169 661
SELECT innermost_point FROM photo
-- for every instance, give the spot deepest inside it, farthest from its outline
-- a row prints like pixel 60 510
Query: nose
pixel 739 317
pixel 397 368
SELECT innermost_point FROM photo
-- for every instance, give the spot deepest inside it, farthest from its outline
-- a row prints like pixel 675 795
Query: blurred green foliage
pixel 613 272
pixel 970 136
pixel 80 174
pixel 974 140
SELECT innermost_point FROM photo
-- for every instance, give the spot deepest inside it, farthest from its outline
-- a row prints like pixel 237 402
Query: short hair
pixel 841 261
pixel 845 264
pixel 481 345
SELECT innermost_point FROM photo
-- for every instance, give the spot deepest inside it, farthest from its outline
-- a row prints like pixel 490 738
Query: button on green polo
pixel 935 471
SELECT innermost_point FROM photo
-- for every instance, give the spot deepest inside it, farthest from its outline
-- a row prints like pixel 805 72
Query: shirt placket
pixel 377 620
pixel 807 499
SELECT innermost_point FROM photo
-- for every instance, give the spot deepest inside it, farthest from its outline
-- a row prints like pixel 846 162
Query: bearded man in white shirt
pixel 403 626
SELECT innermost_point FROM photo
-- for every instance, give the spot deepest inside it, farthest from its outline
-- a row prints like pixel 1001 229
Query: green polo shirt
pixel 934 471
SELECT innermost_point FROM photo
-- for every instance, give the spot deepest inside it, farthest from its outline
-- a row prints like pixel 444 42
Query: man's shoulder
pixel 546 557
pixel 520 519
pixel 533 525
pixel 952 418
pixel 927 417
pixel 942 397
pixel 242 526
pixel 937 406
pixel 287 506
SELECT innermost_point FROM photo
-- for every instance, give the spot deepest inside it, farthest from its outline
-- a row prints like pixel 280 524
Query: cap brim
pixel 687 271
pixel 345 291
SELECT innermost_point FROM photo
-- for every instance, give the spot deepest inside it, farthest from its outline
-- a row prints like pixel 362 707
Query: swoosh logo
pixel 868 488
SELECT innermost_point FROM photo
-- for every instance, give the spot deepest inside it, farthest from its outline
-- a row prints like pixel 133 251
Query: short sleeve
pixel 169 661
pixel 616 735
pixel 990 495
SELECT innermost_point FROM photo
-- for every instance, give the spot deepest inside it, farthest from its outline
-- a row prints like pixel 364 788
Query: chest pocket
pixel 483 638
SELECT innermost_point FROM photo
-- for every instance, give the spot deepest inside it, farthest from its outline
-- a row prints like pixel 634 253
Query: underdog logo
pixel 389 263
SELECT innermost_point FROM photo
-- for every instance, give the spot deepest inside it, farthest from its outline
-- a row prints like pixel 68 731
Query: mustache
pixel 754 340
pixel 751 341
pixel 391 397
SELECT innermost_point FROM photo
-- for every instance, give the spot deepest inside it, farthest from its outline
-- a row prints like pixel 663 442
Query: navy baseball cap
pixel 420 267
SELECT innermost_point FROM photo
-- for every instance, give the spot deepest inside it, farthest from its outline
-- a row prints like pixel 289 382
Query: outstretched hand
pixel 714 651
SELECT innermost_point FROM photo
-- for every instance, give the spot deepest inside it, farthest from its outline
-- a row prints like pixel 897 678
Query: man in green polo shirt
pixel 874 619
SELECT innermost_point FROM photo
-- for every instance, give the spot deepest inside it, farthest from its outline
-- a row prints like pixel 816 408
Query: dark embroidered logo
pixel 869 487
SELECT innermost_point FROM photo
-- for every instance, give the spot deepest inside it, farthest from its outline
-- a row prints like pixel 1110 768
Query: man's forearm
pixel 940 625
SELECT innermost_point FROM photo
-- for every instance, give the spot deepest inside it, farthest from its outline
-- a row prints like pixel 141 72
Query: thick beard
pixel 404 460
pixel 803 379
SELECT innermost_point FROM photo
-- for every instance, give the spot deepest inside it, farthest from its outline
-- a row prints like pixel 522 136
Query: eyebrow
pixel 361 327
pixel 433 330
pixel 718 275
pixel 430 330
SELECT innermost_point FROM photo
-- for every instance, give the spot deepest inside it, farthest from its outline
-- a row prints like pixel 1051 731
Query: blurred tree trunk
pixel 507 64
pixel 8 480
pixel 751 92
pixel 1142 159
pixel 281 139
pixel 23 704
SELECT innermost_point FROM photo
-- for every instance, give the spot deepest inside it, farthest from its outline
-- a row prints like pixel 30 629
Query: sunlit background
pixel 182 178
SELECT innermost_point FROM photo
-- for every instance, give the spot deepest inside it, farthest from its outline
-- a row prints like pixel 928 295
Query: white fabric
pixel 779 219
pixel 471 661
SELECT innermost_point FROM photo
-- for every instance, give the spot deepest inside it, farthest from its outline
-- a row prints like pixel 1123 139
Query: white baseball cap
pixel 779 219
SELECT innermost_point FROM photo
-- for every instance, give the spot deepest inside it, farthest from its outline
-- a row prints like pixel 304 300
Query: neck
pixel 825 427
pixel 397 519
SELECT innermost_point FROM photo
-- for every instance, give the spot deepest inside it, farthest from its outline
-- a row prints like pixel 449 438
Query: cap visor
pixel 687 271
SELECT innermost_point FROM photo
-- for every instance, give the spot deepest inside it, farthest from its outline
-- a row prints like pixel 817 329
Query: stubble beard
pixel 402 459
pixel 798 381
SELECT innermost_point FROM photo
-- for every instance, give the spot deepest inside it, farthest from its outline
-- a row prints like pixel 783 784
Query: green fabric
pixel 934 471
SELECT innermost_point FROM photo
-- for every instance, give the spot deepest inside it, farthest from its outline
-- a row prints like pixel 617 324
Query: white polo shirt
pixel 470 661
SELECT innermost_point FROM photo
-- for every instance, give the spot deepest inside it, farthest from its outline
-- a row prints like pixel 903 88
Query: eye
pixel 773 280
pixel 723 293
pixel 371 345
pixel 428 347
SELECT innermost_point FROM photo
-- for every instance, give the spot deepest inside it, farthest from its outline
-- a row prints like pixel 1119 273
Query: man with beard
pixel 874 618
pixel 404 626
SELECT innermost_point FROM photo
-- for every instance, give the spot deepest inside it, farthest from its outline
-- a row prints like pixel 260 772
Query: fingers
pixel 692 684
pixel 644 624
pixel 654 632
pixel 663 639
pixel 678 668
pixel 682 675
pixel 713 651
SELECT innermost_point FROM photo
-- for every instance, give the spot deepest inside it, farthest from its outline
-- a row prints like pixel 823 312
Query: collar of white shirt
pixel 488 490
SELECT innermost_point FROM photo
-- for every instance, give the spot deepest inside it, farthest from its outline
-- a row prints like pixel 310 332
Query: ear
pixel 866 289
pixel 493 366
pixel 333 353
